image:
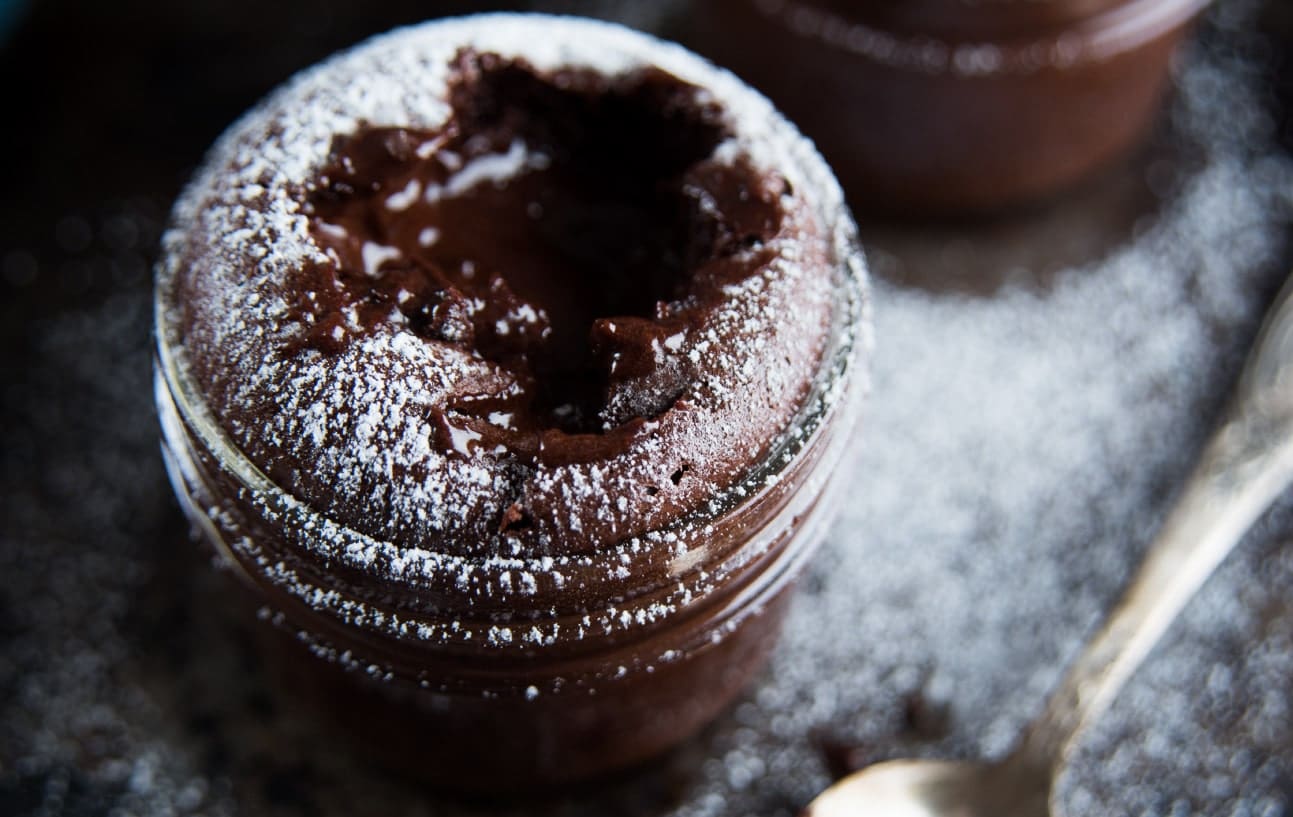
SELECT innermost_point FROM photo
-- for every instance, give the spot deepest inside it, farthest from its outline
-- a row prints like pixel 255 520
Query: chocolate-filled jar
pixel 510 361
pixel 954 106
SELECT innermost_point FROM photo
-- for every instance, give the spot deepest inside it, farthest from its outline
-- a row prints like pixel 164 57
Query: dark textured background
pixel 105 616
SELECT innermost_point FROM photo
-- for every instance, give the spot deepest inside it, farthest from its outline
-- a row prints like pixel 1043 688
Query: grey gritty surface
pixel 1017 455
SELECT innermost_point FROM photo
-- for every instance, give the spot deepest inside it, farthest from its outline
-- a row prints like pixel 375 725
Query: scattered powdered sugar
pixel 490 167
pixel 1018 453
pixel 81 730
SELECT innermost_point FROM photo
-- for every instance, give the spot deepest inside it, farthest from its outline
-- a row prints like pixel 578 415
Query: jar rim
pixel 1102 35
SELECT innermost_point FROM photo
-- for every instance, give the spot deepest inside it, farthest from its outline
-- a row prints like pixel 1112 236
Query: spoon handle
pixel 1246 464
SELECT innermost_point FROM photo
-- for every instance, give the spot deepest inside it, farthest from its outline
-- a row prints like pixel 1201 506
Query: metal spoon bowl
pixel 1246 464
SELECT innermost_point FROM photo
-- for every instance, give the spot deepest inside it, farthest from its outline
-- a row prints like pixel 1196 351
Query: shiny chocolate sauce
pixel 570 229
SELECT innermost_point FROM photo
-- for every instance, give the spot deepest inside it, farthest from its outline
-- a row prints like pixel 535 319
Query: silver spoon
pixel 1247 463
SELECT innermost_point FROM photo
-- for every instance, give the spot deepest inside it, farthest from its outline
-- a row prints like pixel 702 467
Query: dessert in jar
pixel 950 106
pixel 510 361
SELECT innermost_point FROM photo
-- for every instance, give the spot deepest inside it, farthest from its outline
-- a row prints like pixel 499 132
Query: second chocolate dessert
pixel 953 106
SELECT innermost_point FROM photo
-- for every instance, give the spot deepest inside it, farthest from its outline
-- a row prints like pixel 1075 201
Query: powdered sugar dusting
pixel 363 417
pixel 490 168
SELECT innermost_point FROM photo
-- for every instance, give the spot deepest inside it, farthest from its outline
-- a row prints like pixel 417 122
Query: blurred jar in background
pixel 952 106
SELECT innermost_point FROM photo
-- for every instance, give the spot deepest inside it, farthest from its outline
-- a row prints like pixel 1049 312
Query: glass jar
pixel 489 671
pixel 947 106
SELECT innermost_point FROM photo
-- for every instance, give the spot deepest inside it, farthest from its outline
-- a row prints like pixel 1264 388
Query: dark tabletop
pixel 1042 383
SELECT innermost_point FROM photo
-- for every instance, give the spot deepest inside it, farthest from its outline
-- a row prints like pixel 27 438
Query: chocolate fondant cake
pixel 536 291
pixel 525 337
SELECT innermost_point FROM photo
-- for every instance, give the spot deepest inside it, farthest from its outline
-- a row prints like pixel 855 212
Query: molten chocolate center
pixel 565 227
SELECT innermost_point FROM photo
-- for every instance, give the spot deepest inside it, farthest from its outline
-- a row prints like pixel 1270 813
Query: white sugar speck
pixel 405 198
pixel 375 255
